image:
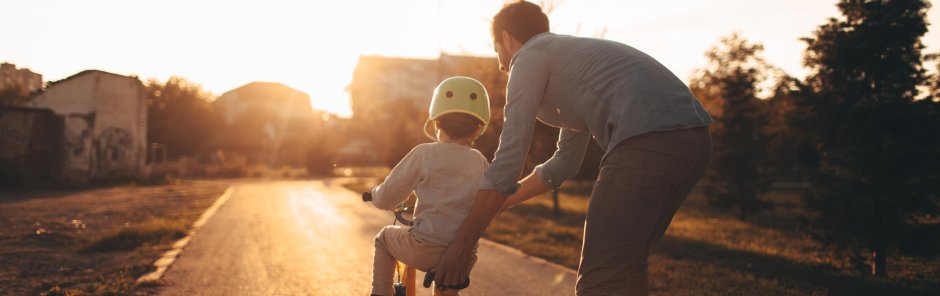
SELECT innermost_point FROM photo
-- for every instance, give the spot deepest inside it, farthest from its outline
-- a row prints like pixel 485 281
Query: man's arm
pixel 531 186
pixel 563 165
pixel 453 267
pixel 527 79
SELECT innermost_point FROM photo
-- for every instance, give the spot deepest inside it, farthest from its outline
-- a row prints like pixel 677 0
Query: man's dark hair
pixel 458 125
pixel 521 20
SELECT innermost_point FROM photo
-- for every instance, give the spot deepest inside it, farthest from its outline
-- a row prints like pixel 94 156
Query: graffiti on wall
pixel 75 143
pixel 113 146
pixel 78 148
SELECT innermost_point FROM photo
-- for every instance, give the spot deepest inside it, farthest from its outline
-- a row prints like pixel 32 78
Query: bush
pixel 132 237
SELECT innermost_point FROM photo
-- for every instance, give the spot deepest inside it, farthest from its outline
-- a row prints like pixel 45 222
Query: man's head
pixel 520 21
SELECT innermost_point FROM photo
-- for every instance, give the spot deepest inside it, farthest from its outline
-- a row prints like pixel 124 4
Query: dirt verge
pixel 93 242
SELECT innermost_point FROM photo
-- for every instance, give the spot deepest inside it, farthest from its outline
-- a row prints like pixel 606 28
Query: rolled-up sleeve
pixel 567 159
pixel 527 80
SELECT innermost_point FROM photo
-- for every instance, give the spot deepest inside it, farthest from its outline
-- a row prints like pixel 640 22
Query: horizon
pixel 224 45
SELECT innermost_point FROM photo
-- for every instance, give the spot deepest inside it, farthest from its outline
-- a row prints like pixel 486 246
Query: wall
pixel 30 141
pixel 72 95
pixel 78 151
pixel 120 131
pixel 105 125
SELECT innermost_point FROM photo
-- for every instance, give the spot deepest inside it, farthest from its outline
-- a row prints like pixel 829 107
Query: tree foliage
pixel 13 96
pixel 878 164
pixel 730 88
pixel 179 116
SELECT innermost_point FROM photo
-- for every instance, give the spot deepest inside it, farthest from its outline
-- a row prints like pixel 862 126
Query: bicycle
pixel 406 274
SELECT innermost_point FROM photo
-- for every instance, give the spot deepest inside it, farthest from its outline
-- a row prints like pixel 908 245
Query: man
pixel 653 130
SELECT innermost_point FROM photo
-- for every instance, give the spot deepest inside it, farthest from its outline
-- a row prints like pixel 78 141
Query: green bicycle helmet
pixel 459 94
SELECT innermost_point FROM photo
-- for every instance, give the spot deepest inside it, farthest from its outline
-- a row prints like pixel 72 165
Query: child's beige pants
pixel 397 242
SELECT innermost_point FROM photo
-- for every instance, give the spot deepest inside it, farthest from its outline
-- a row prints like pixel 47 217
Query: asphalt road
pixel 316 238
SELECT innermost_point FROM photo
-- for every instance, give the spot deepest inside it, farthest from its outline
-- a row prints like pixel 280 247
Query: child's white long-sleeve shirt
pixel 445 177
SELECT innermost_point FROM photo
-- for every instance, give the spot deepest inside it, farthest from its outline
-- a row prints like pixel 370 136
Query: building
pixel 390 98
pixel 279 100
pixel 30 146
pixel 391 80
pixel 105 125
pixel 268 122
pixel 403 80
pixel 24 79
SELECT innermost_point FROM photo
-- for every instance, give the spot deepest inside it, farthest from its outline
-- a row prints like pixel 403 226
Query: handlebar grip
pixel 428 278
pixel 366 196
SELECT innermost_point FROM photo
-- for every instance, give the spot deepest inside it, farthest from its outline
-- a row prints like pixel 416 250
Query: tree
pixel 406 130
pixel 791 154
pixel 179 116
pixel 13 96
pixel 933 84
pixel 729 87
pixel 877 168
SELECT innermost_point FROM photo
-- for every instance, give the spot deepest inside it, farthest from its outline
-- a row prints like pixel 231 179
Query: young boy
pixel 444 175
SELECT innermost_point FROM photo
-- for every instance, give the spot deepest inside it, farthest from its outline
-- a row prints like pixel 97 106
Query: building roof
pixel 265 93
pixel 39 92
pixel 91 71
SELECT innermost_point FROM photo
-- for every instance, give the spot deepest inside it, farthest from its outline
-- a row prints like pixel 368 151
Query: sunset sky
pixel 313 45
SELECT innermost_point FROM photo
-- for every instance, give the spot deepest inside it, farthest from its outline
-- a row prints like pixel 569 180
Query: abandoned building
pixel 406 86
pixel 101 132
pixel 268 122
pixel 29 145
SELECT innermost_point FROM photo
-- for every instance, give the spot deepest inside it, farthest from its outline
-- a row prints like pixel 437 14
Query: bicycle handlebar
pixel 367 197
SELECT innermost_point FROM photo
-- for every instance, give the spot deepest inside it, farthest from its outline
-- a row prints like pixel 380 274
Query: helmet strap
pixel 426 133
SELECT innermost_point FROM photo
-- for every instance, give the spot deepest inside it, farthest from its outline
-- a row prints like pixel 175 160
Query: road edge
pixel 522 254
pixel 164 262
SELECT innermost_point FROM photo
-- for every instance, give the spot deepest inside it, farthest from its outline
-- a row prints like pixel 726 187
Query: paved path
pixel 316 238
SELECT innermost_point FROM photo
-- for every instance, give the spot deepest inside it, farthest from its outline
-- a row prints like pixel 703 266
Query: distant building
pixel 389 80
pixel 268 122
pixel 24 79
pixel 105 125
pixel 30 146
pixel 390 97
pixel 385 79
pixel 276 99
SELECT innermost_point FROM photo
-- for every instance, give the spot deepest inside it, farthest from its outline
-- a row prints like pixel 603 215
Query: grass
pixel 706 252
pixel 132 236
pixel 533 227
pixel 121 282
pixel 94 241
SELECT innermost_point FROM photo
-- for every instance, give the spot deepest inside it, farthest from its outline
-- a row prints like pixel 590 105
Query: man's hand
pixel 530 186
pixel 454 266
